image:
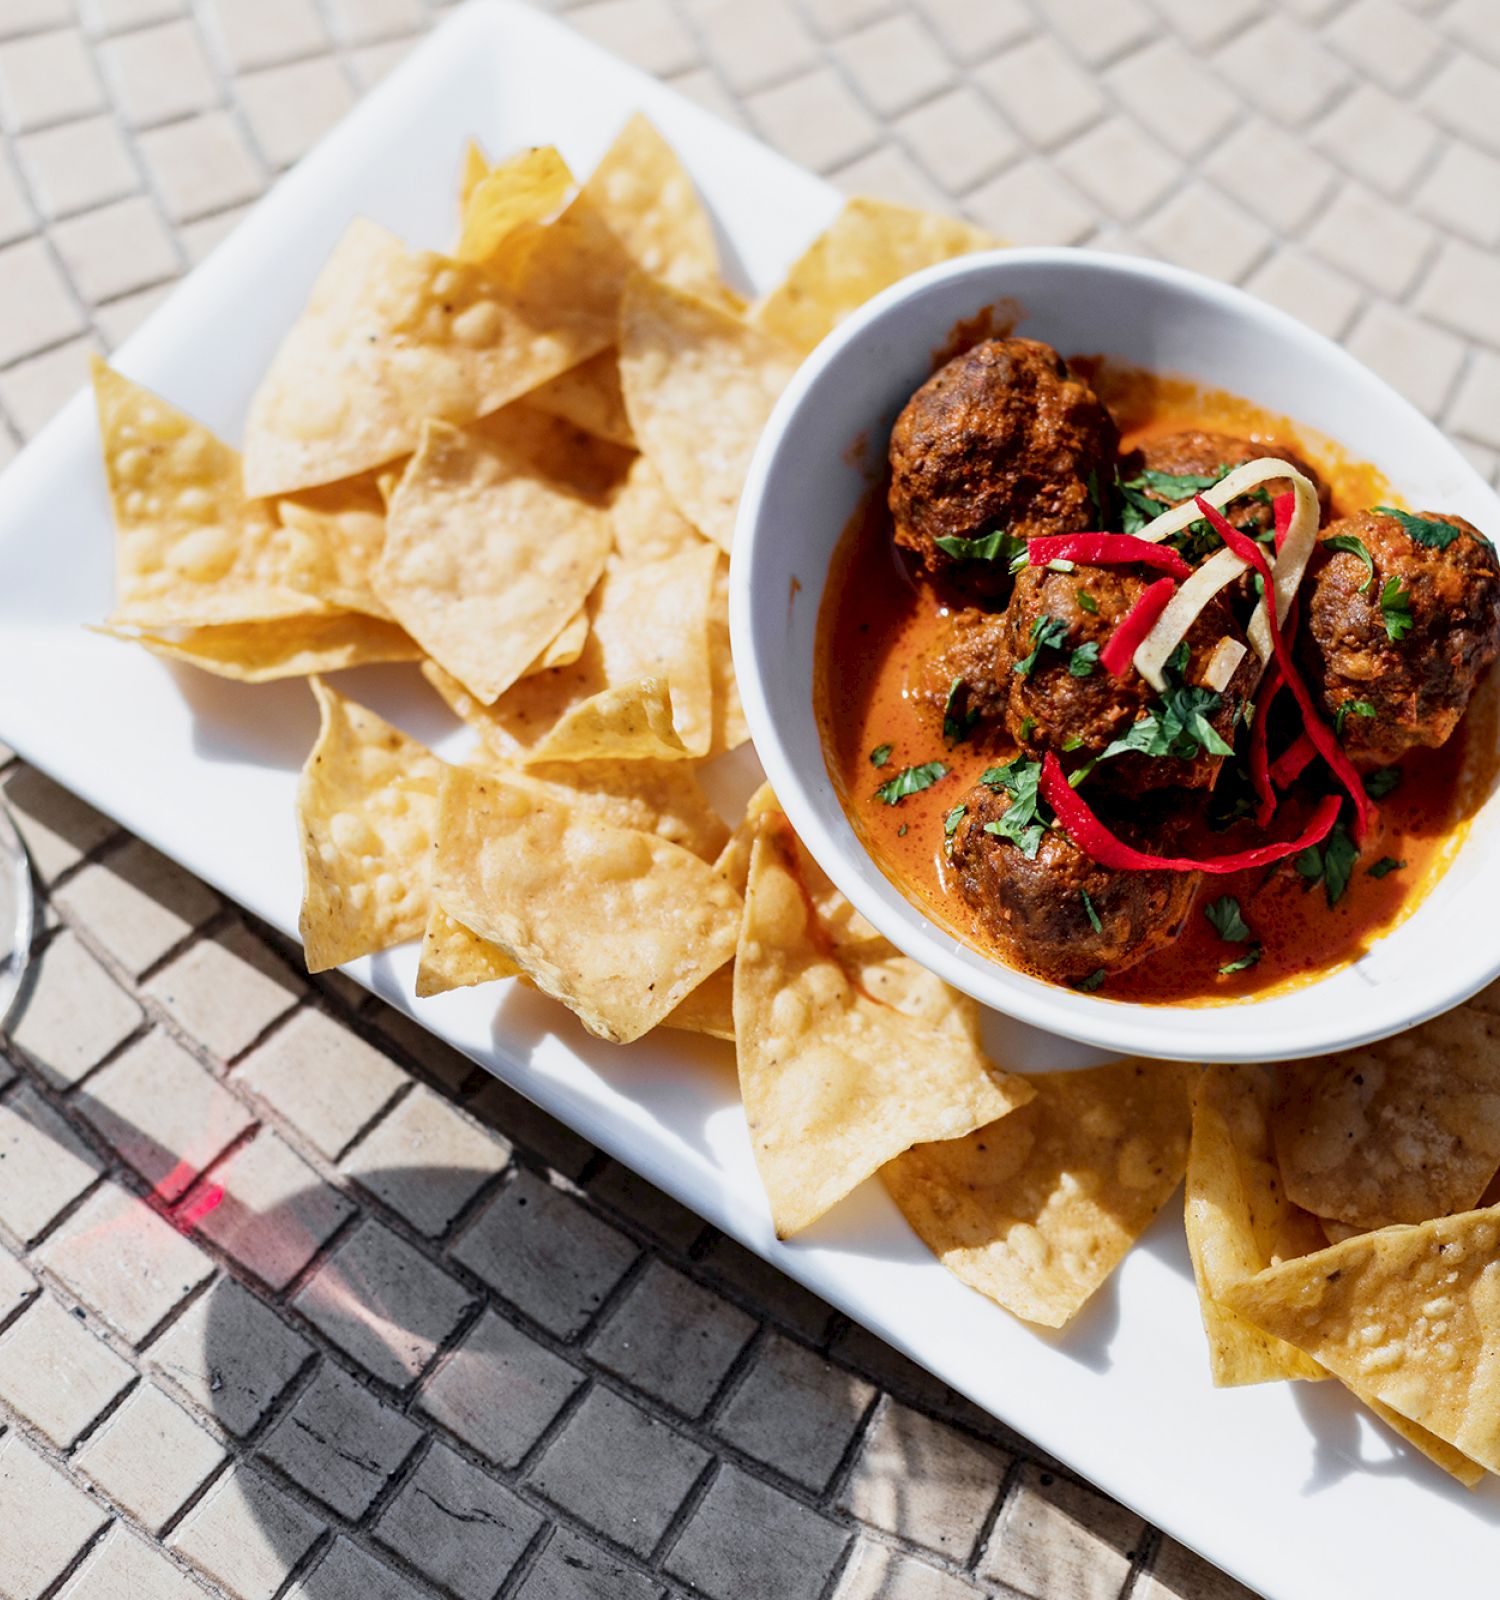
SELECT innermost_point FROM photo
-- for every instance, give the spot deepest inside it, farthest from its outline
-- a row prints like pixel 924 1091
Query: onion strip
pixel 1223 664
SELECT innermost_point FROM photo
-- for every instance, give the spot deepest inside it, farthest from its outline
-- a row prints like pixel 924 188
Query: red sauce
pixel 877 624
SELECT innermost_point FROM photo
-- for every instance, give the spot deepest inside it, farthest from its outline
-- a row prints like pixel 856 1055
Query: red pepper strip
pixel 1318 731
pixel 1133 627
pixel 1293 761
pixel 1096 841
pixel 1260 760
pixel 1282 508
pixel 1105 549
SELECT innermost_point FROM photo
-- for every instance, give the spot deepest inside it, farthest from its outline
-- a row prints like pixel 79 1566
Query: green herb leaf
pixel 1083 660
pixel 911 780
pixel 1093 916
pixel 1378 784
pixel 1026 727
pixel 1425 530
pixel 1177 662
pixel 1350 708
pixel 1086 602
pixel 957 722
pixel 1395 610
pixel 1022 823
pixel 1386 865
pixel 1339 855
pixel 1047 633
pixel 1073 742
pixel 880 755
pixel 952 820
pixel 1178 726
pixel 901 831
pixel 1176 486
pixel 1355 546
pixel 1093 482
pixel 1309 864
pixel 1000 545
pixel 1092 982
pixel 1241 963
pixel 1228 923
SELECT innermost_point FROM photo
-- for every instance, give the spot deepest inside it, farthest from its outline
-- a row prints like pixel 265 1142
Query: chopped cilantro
pixel 880 755
pixel 1176 485
pixel 911 780
pixel 1022 822
pixel 1354 546
pixel 1378 784
pixel 1072 742
pixel 957 722
pixel 1177 726
pixel 1089 912
pixel 1092 982
pixel 952 820
pixel 1331 864
pixel 1086 602
pixel 1046 633
pixel 1395 610
pixel 1026 727
pixel 901 831
pixel 1425 530
pixel 1350 708
pixel 1386 865
pixel 1093 482
pixel 1177 662
pixel 1224 914
pixel 1083 660
pixel 1241 963
pixel 1059 564
pixel 1000 545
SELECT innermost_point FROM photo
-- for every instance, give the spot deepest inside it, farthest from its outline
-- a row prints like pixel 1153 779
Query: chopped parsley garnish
pixel 1425 530
pixel 1383 867
pixel 901 831
pixel 1177 662
pixel 956 721
pixel 1242 963
pixel 1089 912
pixel 1395 610
pixel 1177 726
pixel 952 820
pixel 1073 742
pixel 1354 546
pixel 1026 727
pixel 1022 822
pixel 1224 914
pixel 1378 784
pixel 911 780
pixel 1331 864
pixel 880 755
pixel 1001 545
pixel 1350 708
pixel 1177 485
pixel 1047 633
pixel 1086 602
pixel 1092 982
pixel 1093 482
pixel 1083 660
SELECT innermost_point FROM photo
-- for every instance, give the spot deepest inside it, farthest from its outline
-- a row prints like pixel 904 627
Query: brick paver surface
pixel 292 1301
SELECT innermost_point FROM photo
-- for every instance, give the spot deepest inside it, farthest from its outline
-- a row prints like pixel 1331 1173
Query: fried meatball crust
pixel 974 654
pixel 1197 453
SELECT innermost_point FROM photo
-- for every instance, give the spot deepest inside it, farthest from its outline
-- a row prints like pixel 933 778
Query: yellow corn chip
pixel 476 168
pixel 730 728
pixel 834 1083
pixel 1438 1451
pixel 572 267
pixel 626 722
pixel 870 245
pixel 1335 1232
pixel 524 189
pixel 484 562
pixel 709 1008
pixel 454 958
pixel 1398 1131
pixel 294 647
pixel 341 531
pixel 389 337
pixel 1409 1316
pixel 191 549
pixel 699 385
pixel 589 397
pixel 366 805
pixel 647 524
pixel 617 924
pixel 1239 1220
pixel 1037 1211
pixel 566 645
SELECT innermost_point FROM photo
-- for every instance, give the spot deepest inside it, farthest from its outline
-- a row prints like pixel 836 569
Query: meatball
pixel 974 656
pixel 1002 437
pixel 1418 685
pixel 1035 909
pixel 1069 703
pixel 1195 453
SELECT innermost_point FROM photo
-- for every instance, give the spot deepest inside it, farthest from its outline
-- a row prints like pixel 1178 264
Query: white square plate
pixel 1287 1486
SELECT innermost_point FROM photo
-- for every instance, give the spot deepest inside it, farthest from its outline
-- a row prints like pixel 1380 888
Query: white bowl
pixel 806 482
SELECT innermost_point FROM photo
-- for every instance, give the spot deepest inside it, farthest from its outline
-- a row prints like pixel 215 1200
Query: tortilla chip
pixel 573 267
pixel 626 722
pixel 1438 1451
pixel 647 623
pixel 878 968
pixel 647 524
pixel 1409 1315
pixel 1335 1232
pixel 484 562
pixel 835 1083
pixel 699 385
pixel 389 337
pixel 1037 1211
pixel 589 396
pixel 566 645
pixel 294 647
pixel 341 528
pixel 573 461
pixel 1240 1221
pixel 709 1008
pixel 870 245
pixel 617 924
pixel 366 805
pixel 475 170
pixel 191 549
pixel 454 958
pixel 524 189
pixel 730 728
pixel 1398 1131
